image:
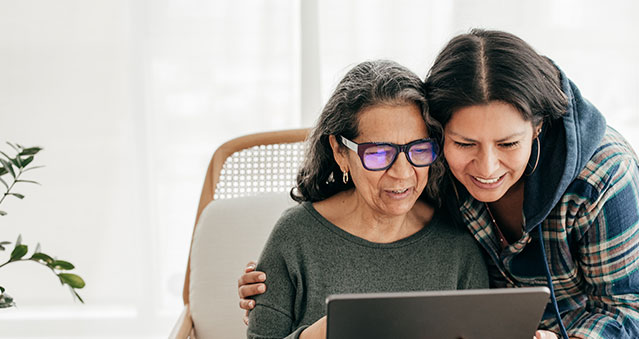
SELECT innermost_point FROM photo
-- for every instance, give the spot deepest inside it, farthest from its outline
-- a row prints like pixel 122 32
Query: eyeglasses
pixel 378 156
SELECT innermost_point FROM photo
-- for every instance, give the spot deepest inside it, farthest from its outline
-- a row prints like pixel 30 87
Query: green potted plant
pixel 12 169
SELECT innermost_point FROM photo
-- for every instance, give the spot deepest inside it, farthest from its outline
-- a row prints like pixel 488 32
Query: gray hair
pixel 368 84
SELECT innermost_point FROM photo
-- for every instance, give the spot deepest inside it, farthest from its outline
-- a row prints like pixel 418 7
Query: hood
pixel 566 146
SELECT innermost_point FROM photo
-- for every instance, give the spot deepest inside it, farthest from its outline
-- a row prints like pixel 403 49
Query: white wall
pixel 130 98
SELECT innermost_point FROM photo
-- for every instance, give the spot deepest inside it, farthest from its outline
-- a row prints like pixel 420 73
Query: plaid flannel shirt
pixel 591 240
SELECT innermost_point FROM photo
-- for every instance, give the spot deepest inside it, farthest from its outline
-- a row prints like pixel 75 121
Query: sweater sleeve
pixel 273 315
pixel 609 259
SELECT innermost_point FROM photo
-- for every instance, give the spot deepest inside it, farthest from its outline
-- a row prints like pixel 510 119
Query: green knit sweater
pixel 307 258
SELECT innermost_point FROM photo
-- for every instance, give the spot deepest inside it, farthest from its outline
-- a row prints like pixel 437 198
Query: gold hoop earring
pixel 538 152
pixel 345 177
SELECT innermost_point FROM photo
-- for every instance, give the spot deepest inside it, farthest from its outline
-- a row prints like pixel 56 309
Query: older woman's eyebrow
pixel 506 138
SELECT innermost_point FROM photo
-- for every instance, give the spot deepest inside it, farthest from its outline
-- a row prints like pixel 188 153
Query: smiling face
pixel 390 192
pixel 487 148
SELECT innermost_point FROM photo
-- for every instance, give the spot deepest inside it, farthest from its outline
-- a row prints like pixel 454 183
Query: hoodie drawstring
pixel 562 328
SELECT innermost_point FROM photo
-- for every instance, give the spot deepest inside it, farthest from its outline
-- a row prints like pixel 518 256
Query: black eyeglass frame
pixel 360 149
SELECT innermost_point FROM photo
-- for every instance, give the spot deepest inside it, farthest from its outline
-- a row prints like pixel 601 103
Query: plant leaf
pixel 77 295
pixel 3 213
pixel 17 195
pixel 3 171
pixel 71 279
pixel 4 183
pixel 14 147
pixel 31 151
pixel 29 181
pixel 26 161
pixel 18 252
pixel 17 161
pixel 41 257
pixel 62 265
pixel 6 156
pixel 31 168
pixel 1 289
pixel 6 301
pixel 8 167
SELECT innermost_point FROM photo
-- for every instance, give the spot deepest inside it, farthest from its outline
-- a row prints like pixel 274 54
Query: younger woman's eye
pixel 510 144
pixel 463 144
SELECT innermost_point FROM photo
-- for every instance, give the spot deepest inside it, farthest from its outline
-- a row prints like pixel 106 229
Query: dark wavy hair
pixel 368 84
pixel 483 66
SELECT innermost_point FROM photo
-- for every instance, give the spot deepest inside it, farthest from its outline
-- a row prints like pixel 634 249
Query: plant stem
pixel 12 261
pixel 28 259
pixel 8 262
pixel 15 180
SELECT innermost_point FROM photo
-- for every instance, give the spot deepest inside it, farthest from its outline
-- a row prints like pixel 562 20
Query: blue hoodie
pixel 581 226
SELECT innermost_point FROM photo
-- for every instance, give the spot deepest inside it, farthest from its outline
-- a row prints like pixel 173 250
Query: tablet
pixel 470 314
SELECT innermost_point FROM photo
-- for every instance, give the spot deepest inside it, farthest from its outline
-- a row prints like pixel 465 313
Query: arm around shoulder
pixel 273 315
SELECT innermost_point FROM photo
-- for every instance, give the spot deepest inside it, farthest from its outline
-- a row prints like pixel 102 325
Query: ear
pixel 338 153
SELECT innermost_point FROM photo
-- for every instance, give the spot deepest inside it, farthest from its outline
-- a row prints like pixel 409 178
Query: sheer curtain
pixel 130 98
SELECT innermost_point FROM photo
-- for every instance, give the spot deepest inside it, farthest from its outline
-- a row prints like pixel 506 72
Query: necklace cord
pixel 502 239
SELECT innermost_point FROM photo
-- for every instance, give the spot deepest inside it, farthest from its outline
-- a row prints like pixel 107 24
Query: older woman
pixel 366 220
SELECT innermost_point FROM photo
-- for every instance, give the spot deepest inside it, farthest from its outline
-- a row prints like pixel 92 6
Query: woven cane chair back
pixel 259 169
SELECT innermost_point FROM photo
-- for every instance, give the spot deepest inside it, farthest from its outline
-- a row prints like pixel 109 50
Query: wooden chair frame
pixel 184 328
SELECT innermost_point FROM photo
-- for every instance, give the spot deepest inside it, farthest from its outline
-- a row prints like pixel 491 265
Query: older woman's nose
pixel 401 168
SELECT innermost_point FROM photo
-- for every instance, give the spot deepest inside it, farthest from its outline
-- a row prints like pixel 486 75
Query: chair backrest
pixel 245 190
pixel 230 233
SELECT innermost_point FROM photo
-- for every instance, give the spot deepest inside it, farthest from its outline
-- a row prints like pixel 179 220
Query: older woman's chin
pixel 397 204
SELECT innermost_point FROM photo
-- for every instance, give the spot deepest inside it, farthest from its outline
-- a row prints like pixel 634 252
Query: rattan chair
pixel 245 190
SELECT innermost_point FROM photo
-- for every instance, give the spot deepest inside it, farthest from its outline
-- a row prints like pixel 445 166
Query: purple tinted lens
pixel 422 153
pixel 376 157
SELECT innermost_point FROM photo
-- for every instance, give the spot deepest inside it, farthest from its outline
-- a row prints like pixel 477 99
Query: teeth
pixel 400 191
pixel 487 181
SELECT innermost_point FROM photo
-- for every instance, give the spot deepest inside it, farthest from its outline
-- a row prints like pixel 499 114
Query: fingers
pixel 245 318
pixel 250 267
pixel 252 289
pixel 251 282
pixel 247 304
pixel 544 335
pixel 250 278
pixel 247 287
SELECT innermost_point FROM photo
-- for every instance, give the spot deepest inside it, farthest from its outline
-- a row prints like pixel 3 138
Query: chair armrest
pixel 183 328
